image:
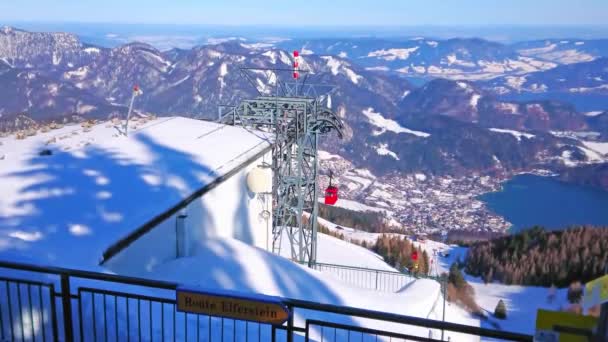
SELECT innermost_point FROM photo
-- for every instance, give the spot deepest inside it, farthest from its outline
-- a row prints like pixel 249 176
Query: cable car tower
pixel 297 113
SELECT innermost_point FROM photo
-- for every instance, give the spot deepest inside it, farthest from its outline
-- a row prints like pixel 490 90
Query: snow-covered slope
pixel 232 265
pixel 335 251
pixel 98 186
pixel 522 302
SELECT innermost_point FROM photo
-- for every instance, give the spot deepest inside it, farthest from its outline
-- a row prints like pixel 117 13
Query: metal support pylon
pixel 296 121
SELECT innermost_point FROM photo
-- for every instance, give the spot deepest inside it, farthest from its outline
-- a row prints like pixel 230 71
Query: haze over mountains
pixel 459 121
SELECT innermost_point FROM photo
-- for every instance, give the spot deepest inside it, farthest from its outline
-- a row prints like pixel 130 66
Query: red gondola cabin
pixel 331 195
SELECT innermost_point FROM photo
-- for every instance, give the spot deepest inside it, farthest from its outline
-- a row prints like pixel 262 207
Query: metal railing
pixel 379 280
pixel 92 306
pixel 373 279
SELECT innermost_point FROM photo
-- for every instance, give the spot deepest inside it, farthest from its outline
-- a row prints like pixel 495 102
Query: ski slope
pixel 331 250
pixel 522 302
pixel 232 265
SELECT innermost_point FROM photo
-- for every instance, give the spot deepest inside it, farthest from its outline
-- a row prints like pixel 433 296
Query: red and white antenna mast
pixel 296 68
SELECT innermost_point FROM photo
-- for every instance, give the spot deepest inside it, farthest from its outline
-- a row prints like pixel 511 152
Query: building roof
pixel 98 186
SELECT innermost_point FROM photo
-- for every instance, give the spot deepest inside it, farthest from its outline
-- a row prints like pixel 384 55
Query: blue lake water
pixel 528 200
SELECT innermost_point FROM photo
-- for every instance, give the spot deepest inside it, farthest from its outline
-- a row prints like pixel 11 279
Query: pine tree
pixel 455 277
pixel 500 311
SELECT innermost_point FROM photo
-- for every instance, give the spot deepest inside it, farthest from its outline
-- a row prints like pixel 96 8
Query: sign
pixel 551 326
pixel 596 292
pixel 261 309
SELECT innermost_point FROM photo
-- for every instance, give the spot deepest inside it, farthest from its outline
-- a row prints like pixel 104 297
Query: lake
pixel 528 200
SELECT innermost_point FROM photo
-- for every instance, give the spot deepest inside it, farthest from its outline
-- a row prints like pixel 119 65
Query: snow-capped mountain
pixel 23 49
pixel 564 51
pixel 584 77
pixel 466 102
pixel 472 59
pixel 389 124
pixel 196 81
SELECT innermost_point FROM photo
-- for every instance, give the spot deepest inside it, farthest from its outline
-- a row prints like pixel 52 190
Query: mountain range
pixel 457 122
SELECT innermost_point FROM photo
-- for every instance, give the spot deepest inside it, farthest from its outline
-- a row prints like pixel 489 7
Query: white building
pixel 130 203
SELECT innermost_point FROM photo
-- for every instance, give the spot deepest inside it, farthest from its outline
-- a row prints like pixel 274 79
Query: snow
pixel 535 51
pixel 452 59
pixel 512 108
pixel 334 251
pixel 384 124
pixel 516 134
pixel 223 72
pixel 393 54
pixel 79 73
pixel 462 85
pixel 234 266
pixel 567 56
pixel 343 54
pixel 272 55
pixel 566 158
pixel 352 76
pixel 336 65
pixel 592 155
pixel 324 155
pixel 419 69
pixel 601 147
pixel 92 50
pixel 588 89
pixel 257 46
pixel 522 303
pixel 356 206
pixel 378 68
pixel 284 58
pixel 474 100
pixel 384 151
pixel 594 113
pixel 215 41
pixel 97 187
pixel 420 177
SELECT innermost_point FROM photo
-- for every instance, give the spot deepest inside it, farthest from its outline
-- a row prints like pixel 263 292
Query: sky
pixel 307 13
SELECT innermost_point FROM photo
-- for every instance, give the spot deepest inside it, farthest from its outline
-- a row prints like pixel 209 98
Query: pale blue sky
pixel 312 12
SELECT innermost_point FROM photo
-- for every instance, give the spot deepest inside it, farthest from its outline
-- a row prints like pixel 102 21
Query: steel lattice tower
pixel 297 114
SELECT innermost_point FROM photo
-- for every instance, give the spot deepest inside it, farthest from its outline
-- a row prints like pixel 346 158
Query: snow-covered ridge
pixel 517 134
pixel 337 66
pixel 392 54
pixel 384 124
pixel 383 150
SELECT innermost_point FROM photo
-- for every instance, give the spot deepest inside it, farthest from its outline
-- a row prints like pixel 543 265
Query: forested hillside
pixel 540 257
pixel 397 251
pixel 369 221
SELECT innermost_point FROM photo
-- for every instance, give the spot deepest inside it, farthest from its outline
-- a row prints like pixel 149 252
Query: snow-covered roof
pixel 98 186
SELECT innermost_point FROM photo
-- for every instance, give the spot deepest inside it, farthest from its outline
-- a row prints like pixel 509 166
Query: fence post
pixel 290 325
pixel 444 286
pixel 66 302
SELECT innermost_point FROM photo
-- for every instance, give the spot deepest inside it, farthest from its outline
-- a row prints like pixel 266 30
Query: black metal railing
pixel 94 306
pixel 28 299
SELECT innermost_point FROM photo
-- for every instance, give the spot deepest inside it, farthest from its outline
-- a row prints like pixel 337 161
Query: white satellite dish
pixel 259 180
